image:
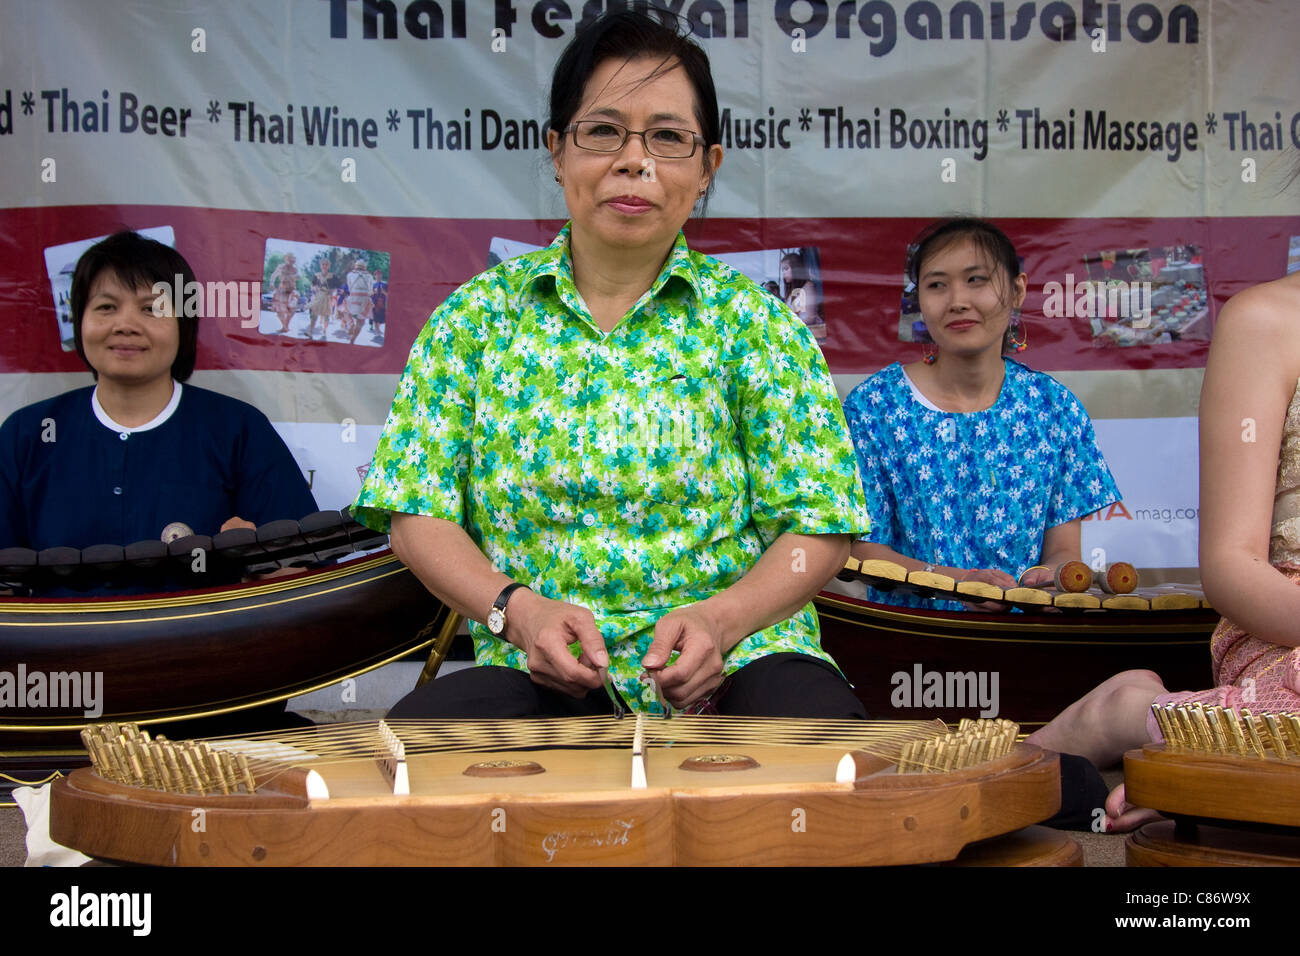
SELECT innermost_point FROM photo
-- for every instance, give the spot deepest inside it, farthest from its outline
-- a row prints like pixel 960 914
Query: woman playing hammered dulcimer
pixel 623 461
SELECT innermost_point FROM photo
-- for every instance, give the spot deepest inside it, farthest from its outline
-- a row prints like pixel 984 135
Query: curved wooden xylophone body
pixel 224 655
pixel 180 656
pixel 1052 651
pixel 788 809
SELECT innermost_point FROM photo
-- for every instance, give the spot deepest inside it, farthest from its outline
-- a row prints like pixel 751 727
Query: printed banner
pixel 334 168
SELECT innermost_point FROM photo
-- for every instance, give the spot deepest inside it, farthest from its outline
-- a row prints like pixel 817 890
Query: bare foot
pixel 1122 816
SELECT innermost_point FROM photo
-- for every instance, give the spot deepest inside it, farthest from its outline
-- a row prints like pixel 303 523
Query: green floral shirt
pixel 629 472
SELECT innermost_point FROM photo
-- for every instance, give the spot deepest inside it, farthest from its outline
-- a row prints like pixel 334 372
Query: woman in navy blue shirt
pixel 139 455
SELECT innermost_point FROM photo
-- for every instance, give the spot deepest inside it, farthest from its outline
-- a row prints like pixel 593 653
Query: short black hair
pixel 137 262
pixel 626 35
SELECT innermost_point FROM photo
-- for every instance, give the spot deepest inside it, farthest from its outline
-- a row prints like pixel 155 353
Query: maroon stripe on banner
pixel 861 266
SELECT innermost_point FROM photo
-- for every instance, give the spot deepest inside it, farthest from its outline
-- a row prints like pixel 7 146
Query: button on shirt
pixel 629 472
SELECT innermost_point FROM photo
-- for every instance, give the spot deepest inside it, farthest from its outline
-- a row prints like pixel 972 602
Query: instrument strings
pixel 313 747
pixel 126 753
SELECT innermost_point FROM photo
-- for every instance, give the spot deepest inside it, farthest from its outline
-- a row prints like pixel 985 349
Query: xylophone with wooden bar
pixel 886 575
pixel 170 563
pixel 640 791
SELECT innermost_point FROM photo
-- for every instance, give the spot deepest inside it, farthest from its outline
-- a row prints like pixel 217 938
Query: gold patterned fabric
pixel 1284 545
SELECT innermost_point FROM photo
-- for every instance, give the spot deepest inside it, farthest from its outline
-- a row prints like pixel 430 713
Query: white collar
pixel 916 393
pixel 158 419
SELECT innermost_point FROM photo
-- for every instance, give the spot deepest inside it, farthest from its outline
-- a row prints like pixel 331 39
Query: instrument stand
pixel 1187 842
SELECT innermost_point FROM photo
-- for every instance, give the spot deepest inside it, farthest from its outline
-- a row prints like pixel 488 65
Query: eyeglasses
pixel 662 141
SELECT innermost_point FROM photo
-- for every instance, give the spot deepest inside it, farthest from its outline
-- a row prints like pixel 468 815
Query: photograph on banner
pixel 328 294
pixel 1132 297
pixel 1293 256
pixel 61 260
pixel 793 275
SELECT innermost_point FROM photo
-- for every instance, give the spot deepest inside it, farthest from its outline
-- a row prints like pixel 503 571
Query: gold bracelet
pixel 1036 567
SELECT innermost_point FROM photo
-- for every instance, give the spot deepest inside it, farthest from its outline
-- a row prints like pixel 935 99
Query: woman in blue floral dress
pixel 974 466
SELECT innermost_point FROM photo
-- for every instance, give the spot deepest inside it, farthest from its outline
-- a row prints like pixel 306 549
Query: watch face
pixel 496 621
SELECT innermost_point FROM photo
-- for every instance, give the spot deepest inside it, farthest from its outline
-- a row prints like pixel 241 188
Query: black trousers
pixel 779 685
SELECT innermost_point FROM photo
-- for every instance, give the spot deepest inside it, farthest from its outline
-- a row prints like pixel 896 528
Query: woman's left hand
pixel 697 672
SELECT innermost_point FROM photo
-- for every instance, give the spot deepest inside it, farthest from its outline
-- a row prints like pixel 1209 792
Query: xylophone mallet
pixel 1118 578
pixel 1073 577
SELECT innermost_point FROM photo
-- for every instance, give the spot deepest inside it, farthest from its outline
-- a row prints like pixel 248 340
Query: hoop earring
pixel 1017 335
pixel 929 353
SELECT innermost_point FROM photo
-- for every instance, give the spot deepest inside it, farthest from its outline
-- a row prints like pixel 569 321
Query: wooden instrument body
pixel 176 656
pixel 1044 661
pixel 1214 787
pixel 1259 799
pixel 580 812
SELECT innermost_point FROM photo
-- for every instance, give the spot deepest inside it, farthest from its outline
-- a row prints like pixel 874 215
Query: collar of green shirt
pixel 555 262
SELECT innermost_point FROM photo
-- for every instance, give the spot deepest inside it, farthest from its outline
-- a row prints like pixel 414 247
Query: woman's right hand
pixel 441 554
pixel 543 629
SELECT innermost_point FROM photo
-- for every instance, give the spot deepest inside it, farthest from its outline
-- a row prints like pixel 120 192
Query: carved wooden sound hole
pixel 713 763
pixel 504 768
